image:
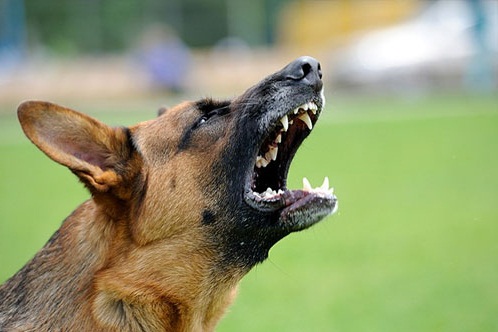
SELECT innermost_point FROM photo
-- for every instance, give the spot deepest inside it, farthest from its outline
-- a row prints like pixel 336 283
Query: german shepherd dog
pixel 182 207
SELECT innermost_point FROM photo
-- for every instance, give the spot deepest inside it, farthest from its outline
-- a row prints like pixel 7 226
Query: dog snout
pixel 306 70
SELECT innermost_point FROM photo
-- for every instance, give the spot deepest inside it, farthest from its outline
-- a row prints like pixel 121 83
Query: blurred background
pixel 409 138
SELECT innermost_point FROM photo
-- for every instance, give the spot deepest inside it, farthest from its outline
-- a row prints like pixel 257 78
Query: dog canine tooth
pixel 307 185
pixel 306 119
pixel 285 122
pixel 325 186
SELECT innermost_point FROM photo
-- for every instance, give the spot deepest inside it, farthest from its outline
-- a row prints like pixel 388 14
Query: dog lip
pixel 298 209
pixel 305 208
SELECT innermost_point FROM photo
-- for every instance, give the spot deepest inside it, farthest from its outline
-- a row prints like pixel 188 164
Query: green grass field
pixel 414 246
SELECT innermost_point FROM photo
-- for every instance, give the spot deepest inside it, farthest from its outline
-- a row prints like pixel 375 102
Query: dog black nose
pixel 307 70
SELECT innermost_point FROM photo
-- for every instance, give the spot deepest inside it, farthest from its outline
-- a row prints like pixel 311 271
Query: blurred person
pixel 12 35
pixel 166 59
pixel 480 71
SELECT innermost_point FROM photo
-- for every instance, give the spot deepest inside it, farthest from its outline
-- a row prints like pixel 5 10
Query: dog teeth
pixel 285 122
pixel 306 185
pixel 269 193
pixel 306 119
pixel 301 113
pixel 325 184
pixel 271 154
pixel 273 151
pixel 261 162
pixel 313 107
pixel 324 189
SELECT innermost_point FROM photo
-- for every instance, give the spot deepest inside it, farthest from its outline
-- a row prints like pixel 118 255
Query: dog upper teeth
pixel 304 116
pixel 272 153
pixel 313 107
pixel 306 119
pixel 301 113
pixel 261 162
pixel 285 122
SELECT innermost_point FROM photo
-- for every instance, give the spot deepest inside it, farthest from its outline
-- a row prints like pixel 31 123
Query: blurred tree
pixel 94 26
pixel 12 32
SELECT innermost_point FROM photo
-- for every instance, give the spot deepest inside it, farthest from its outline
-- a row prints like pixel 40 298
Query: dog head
pixel 210 173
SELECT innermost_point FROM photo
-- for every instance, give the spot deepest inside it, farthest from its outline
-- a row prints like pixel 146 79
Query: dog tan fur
pixel 172 225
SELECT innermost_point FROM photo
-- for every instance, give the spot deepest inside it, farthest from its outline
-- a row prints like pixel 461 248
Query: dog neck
pixel 126 291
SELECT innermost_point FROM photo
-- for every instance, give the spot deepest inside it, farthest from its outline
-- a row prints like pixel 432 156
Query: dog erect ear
pixel 91 149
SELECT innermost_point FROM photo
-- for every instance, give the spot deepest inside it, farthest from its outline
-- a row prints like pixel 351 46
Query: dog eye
pixel 203 119
pixel 217 112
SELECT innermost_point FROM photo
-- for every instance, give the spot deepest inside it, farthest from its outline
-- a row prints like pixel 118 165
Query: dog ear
pixel 161 110
pixel 91 149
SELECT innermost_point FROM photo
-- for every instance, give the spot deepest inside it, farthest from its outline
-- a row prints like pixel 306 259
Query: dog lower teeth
pixel 269 193
pixel 324 189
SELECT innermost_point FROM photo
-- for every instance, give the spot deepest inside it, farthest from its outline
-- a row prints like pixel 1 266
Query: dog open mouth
pixel 266 189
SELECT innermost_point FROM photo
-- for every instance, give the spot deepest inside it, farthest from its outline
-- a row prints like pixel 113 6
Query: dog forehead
pixel 162 134
pixel 177 114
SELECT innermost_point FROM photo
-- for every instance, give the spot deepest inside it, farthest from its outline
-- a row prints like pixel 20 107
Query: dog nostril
pixel 306 69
